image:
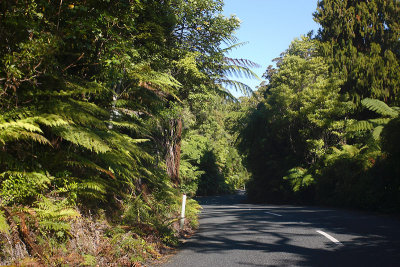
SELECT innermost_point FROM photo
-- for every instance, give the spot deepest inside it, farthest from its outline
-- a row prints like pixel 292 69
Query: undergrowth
pixel 53 232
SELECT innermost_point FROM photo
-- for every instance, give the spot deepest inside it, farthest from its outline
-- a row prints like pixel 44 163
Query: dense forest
pixel 112 109
pixel 324 127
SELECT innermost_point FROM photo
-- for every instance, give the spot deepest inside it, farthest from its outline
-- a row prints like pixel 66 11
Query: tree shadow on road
pixel 229 225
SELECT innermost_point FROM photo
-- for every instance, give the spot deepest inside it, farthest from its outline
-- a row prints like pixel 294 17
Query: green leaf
pixel 379 107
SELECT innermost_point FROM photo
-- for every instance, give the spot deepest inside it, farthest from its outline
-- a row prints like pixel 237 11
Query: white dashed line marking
pixel 331 238
pixel 272 213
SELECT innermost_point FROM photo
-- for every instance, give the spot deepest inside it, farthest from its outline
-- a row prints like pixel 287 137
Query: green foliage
pixel 212 181
pixel 360 39
pixel 54 216
pixel 232 67
pixel 299 178
pixel 361 175
pixel 20 187
pixel 92 99
pixel 210 162
pixel 300 115
pixel 375 125
pixel 85 94
pixel 4 227
pixel 379 107
pixel 89 260
pixel 305 142
pixel 193 147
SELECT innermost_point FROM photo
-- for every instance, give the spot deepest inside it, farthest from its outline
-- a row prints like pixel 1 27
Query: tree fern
pixel 299 178
pixel 84 137
pixel 379 107
pixel 89 114
pixel 374 125
pixel 237 68
pixel 127 125
pixel 154 80
pixel 236 85
pixel 29 128
pixel 84 163
pixel 377 132
pixel 360 126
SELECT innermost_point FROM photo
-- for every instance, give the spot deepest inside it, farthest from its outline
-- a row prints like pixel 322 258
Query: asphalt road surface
pixel 235 234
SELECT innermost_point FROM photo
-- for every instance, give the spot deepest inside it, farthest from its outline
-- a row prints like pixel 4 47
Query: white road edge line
pixel 272 213
pixel 331 238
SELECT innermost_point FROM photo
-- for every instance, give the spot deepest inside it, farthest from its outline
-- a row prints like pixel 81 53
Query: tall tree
pixel 362 40
pixel 295 122
pixel 199 33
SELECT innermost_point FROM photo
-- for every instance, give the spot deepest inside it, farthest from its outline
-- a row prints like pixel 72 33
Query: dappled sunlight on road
pixel 238 234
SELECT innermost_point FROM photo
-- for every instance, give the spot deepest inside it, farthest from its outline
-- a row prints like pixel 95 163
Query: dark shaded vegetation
pixel 212 181
pixel 110 110
pixel 93 98
pixel 325 126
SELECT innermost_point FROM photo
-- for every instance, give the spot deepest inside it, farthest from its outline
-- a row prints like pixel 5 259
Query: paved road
pixel 235 234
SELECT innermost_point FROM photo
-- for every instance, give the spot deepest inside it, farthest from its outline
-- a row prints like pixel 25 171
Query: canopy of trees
pixel 322 124
pixel 92 97
pixel 111 109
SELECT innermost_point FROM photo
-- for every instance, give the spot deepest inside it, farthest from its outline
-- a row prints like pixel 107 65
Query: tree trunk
pixel 173 156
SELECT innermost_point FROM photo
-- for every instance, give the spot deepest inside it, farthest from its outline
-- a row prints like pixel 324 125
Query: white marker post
pixel 182 220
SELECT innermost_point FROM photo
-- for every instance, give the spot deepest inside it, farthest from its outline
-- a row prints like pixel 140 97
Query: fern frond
pixel 377 132
pixel 241 62
pixel 24 124
pixel 231 40
pixel 94 186
pixel 89 108
pixel 154 80
pixel 379 107
pixel 4 227
pixel 50 120
pixel 238 86
pixel 56 226
pixel 240 71
pixel 18 186
pixel 54 214
pixel 85 163
pixel 92 189
pixel 127 125
pixel 380 121
pixel 11 135
pixel 82 137
pixel 128 104
pixel 89 114
pixel 84 87
pixel 119 140
pixel 359 126
pixel 33 137
pixel 234 46
pixel 135 141
pixel 29 128
pixel 75 88
pixel 125 164
pixel 220 90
